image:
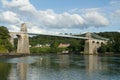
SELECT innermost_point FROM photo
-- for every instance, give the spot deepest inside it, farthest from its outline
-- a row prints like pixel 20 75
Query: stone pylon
pixel 89 49
pixel 23 40
pixel 92 45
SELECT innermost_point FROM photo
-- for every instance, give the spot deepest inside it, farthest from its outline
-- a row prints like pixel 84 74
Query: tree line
pixel 113 45
pixel 77 45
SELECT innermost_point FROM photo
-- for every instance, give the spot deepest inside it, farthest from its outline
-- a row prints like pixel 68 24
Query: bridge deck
pixel 57 35
pixel 67 36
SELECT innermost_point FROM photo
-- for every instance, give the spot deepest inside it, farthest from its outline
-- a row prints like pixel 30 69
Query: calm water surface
pixel 60 67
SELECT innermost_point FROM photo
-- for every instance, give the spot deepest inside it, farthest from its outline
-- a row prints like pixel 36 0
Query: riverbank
pixel 12 55
pixel 21 55
pixel 38 54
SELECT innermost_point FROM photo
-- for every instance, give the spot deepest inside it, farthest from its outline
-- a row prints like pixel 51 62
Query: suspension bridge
pixel 92 41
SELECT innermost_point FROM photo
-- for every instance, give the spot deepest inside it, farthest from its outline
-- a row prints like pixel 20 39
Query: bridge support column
pixel 91 46
pixel 88 49
pixel 23 41
pixel 23 44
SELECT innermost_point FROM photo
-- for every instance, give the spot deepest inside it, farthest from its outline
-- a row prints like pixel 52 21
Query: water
pixel 60 67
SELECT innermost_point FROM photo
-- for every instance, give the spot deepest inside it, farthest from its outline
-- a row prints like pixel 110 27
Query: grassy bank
pixel 46 50
pixel 3 49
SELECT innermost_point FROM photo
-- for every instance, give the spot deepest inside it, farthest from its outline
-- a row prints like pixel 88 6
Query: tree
pixel 54 47
pixel 102 49
pixel 4 38
pixel 75 46
pixel 110 46
pixel 113 44
pixel 4 33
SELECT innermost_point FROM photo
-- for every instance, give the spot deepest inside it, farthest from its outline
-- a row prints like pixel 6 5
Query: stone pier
pixel 23 40
pixel 92 45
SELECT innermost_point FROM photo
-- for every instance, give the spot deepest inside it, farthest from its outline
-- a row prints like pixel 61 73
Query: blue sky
pixel 62 4
pixel 61 16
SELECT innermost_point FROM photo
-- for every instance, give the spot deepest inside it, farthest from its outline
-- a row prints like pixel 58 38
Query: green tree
pixel 114 41
pixel 102 49
pixel 4 33
pixel 4 38
pixel 110 46
pixel 54 47
pixel 75 46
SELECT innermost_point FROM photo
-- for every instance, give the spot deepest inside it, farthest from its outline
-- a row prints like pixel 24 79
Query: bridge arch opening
pixel 19 37
pixel 102 43
pixel 93 41
pixel 97 42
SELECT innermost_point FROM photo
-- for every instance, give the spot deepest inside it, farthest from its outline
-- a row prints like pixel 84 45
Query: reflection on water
pixel 61 67
pixel 22 70
pixel 4 70
pixel 93 63
pixel 19 70
pixel 94 67
pixel 64 61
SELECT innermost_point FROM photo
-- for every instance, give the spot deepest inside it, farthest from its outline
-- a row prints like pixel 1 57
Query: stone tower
pixel 92 45
pixel 88 44
pixel 23 28
pixel 23 40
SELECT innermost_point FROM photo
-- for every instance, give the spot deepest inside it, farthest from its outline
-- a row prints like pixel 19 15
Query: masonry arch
pixel 93 41
pixel 102 43
pixel 97 42
pixel 91 46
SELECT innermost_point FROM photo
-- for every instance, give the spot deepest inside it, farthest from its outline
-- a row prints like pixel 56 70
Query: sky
pixel 61 16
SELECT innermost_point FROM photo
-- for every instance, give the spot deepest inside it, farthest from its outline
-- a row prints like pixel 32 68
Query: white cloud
pixel 36 29
pixel 9 17
pixel 116 15
pixel 90 18
pixel 95 19
pixel 23 5
pixel 14 28
pixel 90 10
pixel 49 19
pixel 115 3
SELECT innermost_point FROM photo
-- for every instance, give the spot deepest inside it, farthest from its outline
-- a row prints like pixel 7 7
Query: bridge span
pixel 91 44
pixel 58 35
